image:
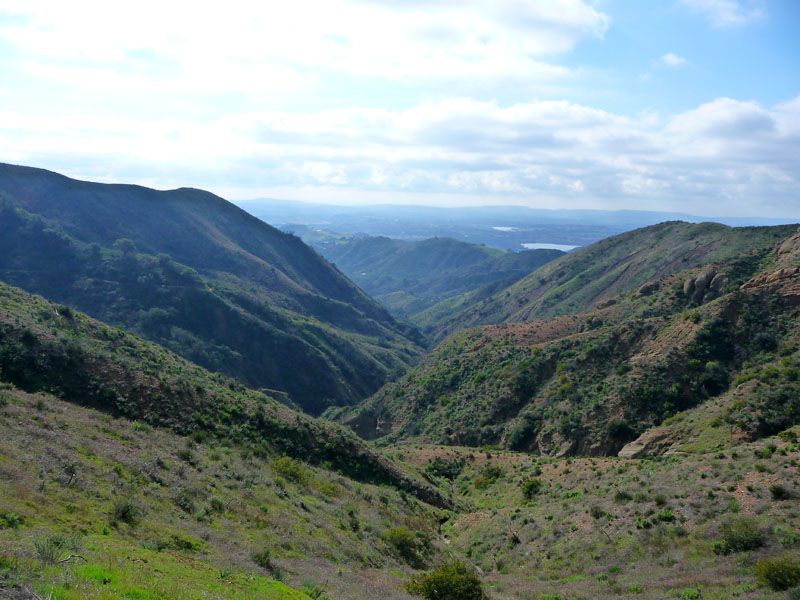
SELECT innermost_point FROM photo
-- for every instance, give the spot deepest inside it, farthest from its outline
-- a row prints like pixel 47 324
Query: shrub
pixel 531 487
pixel 621 431
pixel 597 512
pixel 665 516
pixel 217 504
pixel 404 542
pixel 488 475
pixel 449 469
pixel 622 497
pixel 452 581
pixel 779 573
pixel 778 492
pixel 10 520
pixel 739 535
pixel 263 559
pixel 289 468
pixel 52 548
pixel 184 499
pixel 125 510
pixel 186 455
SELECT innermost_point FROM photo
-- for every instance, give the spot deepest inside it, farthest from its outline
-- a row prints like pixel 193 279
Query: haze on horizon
pixel 671 105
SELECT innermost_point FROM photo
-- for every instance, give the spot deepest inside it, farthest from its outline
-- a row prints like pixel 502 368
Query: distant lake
pixel 537 246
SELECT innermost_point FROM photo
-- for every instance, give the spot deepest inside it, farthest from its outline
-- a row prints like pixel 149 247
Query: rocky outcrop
pixel 706 286
pixel 789 251
pixel 647 288
pixel 784 281
pixel 771 279
pixel 653 442
pixel 606 303
pixel 366 425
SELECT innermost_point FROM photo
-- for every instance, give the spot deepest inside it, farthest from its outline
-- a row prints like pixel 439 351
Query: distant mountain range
pixel 193 272
pixel 504 227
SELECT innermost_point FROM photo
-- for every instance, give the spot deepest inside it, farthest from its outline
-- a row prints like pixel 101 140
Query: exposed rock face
pixel 366 425
pixel 789 250
pixel 776 277
pixel 606 303
pixel 785 281
pixel 706 286
pixel 654 442
pixel 648 288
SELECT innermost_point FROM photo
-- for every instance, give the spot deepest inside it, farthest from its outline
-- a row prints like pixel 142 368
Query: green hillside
pixel 414 278
pixel 178 483
pixel 50 348
pixel 589 276
pixel 194 273
pixel 588 384
pixel 153 515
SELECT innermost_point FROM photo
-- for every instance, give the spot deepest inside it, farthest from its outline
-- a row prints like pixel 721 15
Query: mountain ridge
pixel 193 272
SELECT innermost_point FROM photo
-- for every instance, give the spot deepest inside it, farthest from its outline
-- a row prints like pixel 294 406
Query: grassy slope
pixel 201 509
pixel 410 277
pixel 614 528
pixel 576 282
pixel 45 347
pixel 203 278
pixel 588 384
pixel 597 528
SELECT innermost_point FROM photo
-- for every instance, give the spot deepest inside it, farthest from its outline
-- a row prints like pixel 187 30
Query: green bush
pixel 404 542
pixel 289 468
pixel 488 475
pixel 531 487
pixel 665 516
pixel 739 535
pixel 216 504
pixel 263 559
pixel 449 469
pixel 778 492
pixel 779 573
pixel 621 497
pixel 54 548
pixel 452 581
pixel 125 510
pixel 10 520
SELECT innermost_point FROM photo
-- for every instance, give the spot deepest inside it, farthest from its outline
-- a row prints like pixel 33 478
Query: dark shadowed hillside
pixel 190 271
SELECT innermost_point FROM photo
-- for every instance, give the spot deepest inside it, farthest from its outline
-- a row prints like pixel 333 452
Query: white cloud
pixel 726 13
pixel 540 152
pixel 672 60
pixel 239 44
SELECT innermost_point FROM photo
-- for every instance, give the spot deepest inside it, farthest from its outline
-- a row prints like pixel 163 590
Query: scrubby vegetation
pixel 592 383
pixel 646 447
pixel 194 273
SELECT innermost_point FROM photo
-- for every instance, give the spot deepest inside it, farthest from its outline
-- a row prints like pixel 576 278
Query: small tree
pixel 451 581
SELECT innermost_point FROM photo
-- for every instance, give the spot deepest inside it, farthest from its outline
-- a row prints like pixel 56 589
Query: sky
pixel 670 105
